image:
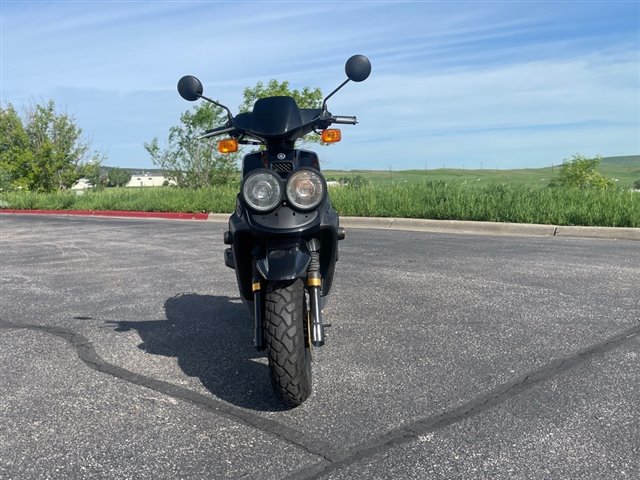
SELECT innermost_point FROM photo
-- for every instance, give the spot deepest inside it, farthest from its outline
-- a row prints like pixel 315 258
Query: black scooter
pixel 284 233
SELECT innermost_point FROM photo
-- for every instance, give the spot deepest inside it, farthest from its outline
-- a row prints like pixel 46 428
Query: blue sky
pixel 503 84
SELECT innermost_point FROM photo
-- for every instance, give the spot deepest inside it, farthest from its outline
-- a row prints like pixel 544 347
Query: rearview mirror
pixel 358 68
pixel 190 88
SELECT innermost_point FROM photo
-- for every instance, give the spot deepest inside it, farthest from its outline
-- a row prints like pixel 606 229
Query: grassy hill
pixel 629 161
pixel 625 169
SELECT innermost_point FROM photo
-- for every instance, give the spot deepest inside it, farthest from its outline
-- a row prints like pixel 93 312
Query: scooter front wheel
pixel 287 349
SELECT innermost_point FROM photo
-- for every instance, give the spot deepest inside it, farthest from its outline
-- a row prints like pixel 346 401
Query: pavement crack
pixel 87 353
pixel 413 431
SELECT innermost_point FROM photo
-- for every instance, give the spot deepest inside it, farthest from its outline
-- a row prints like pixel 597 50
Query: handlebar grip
pixel 344 119
pixel 215 131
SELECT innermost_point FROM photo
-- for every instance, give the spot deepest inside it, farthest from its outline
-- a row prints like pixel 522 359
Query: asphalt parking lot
pixel 125 353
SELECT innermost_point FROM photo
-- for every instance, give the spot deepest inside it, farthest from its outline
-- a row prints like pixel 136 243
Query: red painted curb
pixel 112 213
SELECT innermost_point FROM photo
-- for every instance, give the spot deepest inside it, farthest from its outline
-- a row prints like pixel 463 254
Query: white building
pixel 81 185
pixel 148 180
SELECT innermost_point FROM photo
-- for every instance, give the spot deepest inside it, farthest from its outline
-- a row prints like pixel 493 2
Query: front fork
pixel 314 284
pixel 258 327
pixel 314 287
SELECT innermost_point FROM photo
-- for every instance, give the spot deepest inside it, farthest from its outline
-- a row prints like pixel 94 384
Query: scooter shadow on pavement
pixel 211 338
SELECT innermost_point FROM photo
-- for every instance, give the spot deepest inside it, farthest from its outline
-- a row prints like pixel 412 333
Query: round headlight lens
pixel 305 189
pixel 262 191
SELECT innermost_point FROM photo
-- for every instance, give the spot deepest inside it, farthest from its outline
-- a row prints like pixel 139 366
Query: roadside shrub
pixel 580 172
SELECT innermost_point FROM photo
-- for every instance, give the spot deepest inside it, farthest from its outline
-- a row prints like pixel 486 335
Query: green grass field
pixel 505 196
pixel 492 202
pixel 625 169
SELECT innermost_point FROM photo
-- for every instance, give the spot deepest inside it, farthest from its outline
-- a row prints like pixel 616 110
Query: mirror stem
pixel 229 114
pixel 324 102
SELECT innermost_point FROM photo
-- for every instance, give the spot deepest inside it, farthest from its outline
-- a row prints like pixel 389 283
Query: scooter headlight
pixel 262 190
pixel 306 189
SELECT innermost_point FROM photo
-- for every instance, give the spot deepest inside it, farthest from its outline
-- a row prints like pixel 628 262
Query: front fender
pixel 283 263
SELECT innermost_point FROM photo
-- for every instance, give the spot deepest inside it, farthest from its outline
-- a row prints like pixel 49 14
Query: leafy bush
pixel 45 151
pixel 354 181
pixel 580 172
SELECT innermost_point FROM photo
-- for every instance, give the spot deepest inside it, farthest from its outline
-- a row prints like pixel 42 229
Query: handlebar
pixel 216 131
pixel 344 119
pixel 321 121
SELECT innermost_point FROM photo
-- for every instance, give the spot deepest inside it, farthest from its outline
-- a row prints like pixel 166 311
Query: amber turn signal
pixel 331 135
pixel 228 145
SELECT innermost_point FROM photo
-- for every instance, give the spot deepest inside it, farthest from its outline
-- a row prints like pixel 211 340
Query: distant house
pixel 149 180
pixel 81 185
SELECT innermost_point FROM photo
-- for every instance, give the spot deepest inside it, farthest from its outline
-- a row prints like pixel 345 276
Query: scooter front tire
pixel 287 351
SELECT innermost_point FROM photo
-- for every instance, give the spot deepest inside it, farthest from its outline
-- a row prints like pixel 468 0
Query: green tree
pixel 636 184
pixel 354 181
pixel 580 172
pixel 15 155
pixel 305 98
pixel 93 171
pixel 44 152
pixel 118 177
pixel 190 162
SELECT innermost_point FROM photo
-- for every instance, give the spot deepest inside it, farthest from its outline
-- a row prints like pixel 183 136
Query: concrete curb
pixel 617 233
pixel 490 228
pixel 385 223
pixel 219 217
pixel 477 228
pixel 451 226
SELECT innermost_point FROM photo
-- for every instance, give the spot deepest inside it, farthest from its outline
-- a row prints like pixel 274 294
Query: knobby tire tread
pixel 289 360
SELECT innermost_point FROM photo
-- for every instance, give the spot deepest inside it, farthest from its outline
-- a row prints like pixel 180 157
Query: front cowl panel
pixel 282 161
pixel 284 218
pixel 248 233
